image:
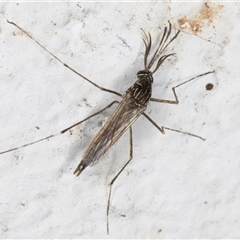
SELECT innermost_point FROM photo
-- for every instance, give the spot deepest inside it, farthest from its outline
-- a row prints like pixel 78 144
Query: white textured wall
pixel 177 186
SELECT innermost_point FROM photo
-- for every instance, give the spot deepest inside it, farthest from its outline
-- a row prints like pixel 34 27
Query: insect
pixel 132 105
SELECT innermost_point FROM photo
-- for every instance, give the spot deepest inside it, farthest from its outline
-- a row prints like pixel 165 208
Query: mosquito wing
pixel 123 117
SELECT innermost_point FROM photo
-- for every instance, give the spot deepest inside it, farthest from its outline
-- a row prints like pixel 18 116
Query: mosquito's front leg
pixel 117 175
pixel 64 64
pixel 174 92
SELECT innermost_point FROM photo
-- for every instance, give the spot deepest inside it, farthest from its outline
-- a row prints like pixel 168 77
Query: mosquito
pixel 132 105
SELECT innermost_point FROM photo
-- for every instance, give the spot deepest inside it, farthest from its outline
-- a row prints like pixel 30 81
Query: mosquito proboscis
pixel 132 105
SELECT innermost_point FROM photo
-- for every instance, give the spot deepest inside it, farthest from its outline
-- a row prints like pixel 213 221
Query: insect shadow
pixel 132 105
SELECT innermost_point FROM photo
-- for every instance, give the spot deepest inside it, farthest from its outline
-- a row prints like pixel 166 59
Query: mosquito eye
pixel 140 72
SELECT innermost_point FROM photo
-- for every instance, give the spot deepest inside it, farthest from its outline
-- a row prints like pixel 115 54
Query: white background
pixel 177 186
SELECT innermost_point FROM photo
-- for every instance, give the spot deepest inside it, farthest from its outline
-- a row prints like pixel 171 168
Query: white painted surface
pixel 176 186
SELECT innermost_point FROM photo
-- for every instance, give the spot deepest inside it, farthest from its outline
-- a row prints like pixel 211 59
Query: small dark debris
pixel 209 86
pixel 100 123
pixel 160 230
pixel 205 202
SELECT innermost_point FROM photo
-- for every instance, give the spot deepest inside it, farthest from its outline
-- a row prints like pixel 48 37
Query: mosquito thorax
pixel 140 92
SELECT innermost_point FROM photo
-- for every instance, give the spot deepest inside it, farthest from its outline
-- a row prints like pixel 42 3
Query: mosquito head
pixel 164 42
pixel 145 74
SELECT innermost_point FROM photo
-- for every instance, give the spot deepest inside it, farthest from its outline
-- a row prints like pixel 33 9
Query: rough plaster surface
pixel 177 186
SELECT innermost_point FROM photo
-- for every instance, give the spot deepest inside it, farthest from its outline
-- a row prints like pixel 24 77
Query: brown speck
pixel 202 19
pixel 209 86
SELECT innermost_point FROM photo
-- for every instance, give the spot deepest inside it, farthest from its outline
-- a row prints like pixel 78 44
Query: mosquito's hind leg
pixel 61 132
pixel 174 92
pixel 117 175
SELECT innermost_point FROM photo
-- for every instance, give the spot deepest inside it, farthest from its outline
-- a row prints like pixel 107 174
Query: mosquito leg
pixel 64 64
pixel 115 178
pixel 161 129
pixel 61 132
pixel 174 92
